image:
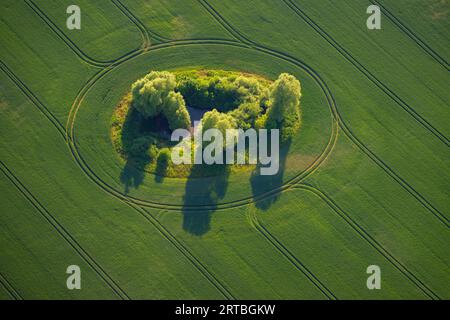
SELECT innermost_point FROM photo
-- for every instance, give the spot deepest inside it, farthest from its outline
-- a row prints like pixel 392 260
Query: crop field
pixel 365 181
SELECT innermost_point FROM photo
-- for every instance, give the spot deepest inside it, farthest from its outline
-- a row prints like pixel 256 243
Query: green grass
pixel 176 19
pixel 376 195
pixel 433 17
pixel 106 33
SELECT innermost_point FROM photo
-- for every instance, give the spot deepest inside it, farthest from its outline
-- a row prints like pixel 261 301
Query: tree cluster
pixel 155 94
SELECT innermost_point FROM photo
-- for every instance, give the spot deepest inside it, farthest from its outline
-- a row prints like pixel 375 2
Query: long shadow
pixel 201 191
pixel 264 183
pixel 136 141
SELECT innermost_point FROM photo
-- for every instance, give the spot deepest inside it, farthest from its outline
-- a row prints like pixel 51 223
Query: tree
pixel 284 110
pixel 246 114
pixel 218 120
pixel 154 94
pixel 176 112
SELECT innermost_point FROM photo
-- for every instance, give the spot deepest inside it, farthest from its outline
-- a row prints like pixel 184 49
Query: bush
pixel 139 147
pixel 218 90
pixel 246 115
pixel 284 110
pixel 143 147
pixel 218 120
pixel 162 162
pixel 154 94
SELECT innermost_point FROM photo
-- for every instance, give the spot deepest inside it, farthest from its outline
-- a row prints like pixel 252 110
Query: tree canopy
pixel 155 94
pixel 284 107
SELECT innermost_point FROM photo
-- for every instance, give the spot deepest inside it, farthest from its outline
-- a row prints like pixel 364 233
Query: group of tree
pixel 155 94
pixel 283 112
pixel 236 101
pixel 221 92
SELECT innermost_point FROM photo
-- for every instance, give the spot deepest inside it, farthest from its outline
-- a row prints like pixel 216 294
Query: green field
pixel 365 181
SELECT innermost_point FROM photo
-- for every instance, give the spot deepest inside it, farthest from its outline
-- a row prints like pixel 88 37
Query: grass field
pixel 365 181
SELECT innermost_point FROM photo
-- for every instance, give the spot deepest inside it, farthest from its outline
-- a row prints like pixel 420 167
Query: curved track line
pixel 184 250
pixel 410 33
pixel 265 50
pixel 63 232
pixel 275 242
pixel 71 44
pixel 253 217
pixel 372 241
pixel 85 167
pixel 145 32
pixel 369 75
pixel 224 23
pixel 13 293
pixel 346 129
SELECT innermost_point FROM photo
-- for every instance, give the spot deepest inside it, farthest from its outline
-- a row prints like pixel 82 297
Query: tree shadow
pixel 136 141
pixel 162 163
pixel 203 191
pixel 266 183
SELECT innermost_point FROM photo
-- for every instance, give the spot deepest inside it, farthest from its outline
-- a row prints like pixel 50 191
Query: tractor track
pixel 63 232
pixel 361 68
pixel 184 250
pixel 146 33
pixel 347 131
pixel 412 35
pixel 372 241
pixel 168 236
pixel 32 97
pixel 13 293
pixel 246 44
pixel 72 45
pixel 67 41
pixel 175 242
pixel 278 245
pixel 351 136
pixel 232 204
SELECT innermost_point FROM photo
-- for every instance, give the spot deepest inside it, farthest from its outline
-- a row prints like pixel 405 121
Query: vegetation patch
pixel 163 101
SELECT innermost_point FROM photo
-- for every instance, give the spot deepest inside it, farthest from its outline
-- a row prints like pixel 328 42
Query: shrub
pixel 139 147
pixel 162 161
pixel 284 110
pixel 218 120
pixel 154 94
pixel 246 115
pixel 218 90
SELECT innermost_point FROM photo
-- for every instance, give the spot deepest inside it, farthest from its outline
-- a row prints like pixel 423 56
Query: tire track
pixel 63 232
pixel 9 288
pixel 351 136
pixel 368 238
pixel 289 255
pixel 146 33
pixel 173 240
pixel 198 264
pixel 224 23
pixel 135 21
pixel 85 167
pixel 284 251
pixel 255 199
pixel 184 250
pixel 72 45
pixel 64 38
pixel 32 97
pixel 270 52
pixel 347 130
pixel 410 33
pixel 361 68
